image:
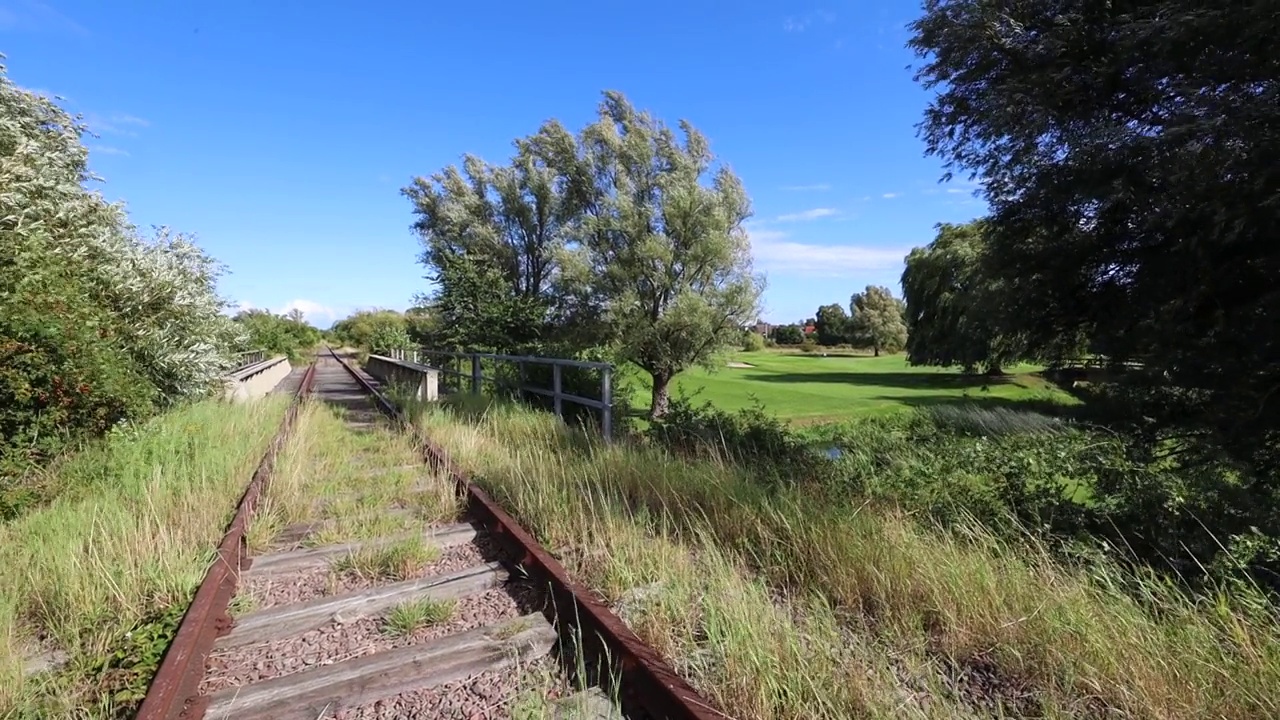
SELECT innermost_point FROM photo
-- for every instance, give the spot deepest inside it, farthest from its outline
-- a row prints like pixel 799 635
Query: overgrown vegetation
pixel 1129 156
pixel 286 335
pixel 99 324
pixel 835 594
pixel 103 572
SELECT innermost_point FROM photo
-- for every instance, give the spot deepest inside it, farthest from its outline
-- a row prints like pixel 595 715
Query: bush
pixel 753 437
pixel 752 342
pixel 277 334
pixel 808 346
pixel 97 324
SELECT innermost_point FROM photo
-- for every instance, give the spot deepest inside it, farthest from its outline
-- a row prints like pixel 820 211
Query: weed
pixel 394 561
pixel 407 617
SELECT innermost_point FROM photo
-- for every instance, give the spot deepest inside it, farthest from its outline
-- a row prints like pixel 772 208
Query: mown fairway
pixel 812 388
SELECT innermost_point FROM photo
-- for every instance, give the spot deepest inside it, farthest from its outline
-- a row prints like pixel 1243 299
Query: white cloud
pixel 314 312
pixel 889 196
pixel 108 150
pixel 774 252
pixel 813 214
pixel 957 191
pixel 816 187
pixel 122 124
pixel 802 23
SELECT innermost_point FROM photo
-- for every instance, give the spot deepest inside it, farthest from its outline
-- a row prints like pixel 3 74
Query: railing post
pixel 555 388
pixel 606 397
pixel 475 374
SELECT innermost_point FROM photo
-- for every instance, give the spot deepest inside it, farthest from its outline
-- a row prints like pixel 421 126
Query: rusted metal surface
pixel 649 680
pixel 176 683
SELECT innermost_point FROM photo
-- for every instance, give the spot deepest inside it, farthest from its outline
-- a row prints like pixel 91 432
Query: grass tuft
pixel 409 616
pixel 399 560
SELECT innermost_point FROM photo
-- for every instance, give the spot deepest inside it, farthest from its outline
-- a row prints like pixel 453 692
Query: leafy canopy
pixel 1131 155
pixel 877 320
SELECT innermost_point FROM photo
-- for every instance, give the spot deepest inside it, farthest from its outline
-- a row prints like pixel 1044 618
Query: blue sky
pixel 280 132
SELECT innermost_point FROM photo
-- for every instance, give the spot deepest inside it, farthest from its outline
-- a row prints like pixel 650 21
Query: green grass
pixel 343 482
pixel 407 617
pixel 395 561
pixel 104 571
pixel 809 388
pixel 812 602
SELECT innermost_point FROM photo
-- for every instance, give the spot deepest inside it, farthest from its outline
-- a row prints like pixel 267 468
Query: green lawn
pixel 810 388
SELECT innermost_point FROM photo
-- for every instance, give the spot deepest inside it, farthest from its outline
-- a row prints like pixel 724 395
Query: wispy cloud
pixel 37 17
pixel 813 214
pixel 121 124
pixel 890 196
pixel 800 23
pixel 774 251
pixel 108 150
pixel 816 187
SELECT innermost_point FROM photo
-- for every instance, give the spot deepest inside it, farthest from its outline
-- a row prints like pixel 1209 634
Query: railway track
pixel 484 615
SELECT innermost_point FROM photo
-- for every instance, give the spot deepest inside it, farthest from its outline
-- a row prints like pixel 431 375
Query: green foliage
pixel 953 306
pixel 494 239
pixel 877 320
pixel 832 325
pixel 788 335
pixel 752 341
pixel 277 334
pixel 667 254
pixel 97 324
pixel 757 439
pixel 625 239
pixel 125 672
pixel 1129 155
pixel 373 330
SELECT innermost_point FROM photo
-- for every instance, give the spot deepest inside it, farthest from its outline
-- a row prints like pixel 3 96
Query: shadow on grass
pixel 908 380
pixel 986 402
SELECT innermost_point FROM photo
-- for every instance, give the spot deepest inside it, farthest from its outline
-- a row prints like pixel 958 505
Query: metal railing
pixel 249 357
pixel 468 370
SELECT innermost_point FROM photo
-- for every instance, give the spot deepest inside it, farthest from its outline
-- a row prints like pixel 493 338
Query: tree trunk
pixel 661 395
pixel 876 348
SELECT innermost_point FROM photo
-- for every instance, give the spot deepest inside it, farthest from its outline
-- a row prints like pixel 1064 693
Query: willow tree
pixel 877 319
pixel 953 306
pixel 492 238
pixel 1131 154
pixel 663 242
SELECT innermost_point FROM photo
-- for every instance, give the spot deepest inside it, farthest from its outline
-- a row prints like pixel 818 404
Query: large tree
pixel 493 238
pixel 877 320
pixel 953 307
pixel 1131 155
pixel 663 242
pixel 831 325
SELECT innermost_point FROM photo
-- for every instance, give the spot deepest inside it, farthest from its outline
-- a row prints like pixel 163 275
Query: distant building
pixel 762 328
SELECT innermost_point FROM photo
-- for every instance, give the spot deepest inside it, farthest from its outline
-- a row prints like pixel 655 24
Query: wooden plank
pixel 328 689
pixel 287 620
pixel 295 534
pixel 296 560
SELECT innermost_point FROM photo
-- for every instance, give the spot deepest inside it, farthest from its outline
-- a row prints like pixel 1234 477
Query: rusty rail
pixel 177 680
pixel 654 685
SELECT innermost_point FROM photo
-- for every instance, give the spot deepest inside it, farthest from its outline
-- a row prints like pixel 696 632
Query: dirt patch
pixel 739 365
